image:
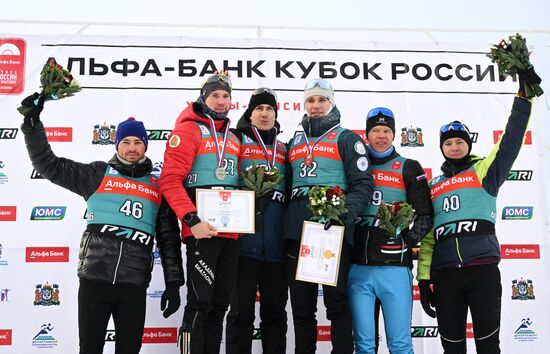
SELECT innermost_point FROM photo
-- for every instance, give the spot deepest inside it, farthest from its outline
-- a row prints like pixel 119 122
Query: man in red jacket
pixel 193 159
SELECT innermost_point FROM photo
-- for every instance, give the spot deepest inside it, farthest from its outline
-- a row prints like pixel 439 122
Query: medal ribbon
pixel 310 149
pixel 219 154
pixel 264 148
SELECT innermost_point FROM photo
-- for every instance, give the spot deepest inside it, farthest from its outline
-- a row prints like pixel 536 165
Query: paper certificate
pixel 319 254
pixel 227 210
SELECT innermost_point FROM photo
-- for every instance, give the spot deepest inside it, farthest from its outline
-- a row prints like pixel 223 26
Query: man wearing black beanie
pixel 262 255
pixel 460 258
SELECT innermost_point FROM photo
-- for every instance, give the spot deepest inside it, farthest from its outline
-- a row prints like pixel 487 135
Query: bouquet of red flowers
pixel 512 56
pixel 395 217
pixel 56 83
pixel 327 204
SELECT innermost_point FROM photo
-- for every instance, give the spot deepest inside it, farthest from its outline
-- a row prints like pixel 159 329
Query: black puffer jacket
pixel 102 258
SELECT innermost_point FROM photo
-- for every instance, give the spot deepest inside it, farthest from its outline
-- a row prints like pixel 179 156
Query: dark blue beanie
pixel 131 127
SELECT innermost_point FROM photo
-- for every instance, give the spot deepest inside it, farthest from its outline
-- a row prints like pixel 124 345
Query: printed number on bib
pixel 131 208
pixel 376 198
pixel 308 171
pixel 229 163
pixel 192 178
pixel 451 203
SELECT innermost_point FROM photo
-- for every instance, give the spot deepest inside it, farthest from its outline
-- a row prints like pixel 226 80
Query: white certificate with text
pixel 319 254
pixel 227 210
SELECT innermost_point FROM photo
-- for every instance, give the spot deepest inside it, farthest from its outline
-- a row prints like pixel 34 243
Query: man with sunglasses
pixel 381 264
pixel 262 255
pixel 327 155
pixel 195 159
pixel 460 257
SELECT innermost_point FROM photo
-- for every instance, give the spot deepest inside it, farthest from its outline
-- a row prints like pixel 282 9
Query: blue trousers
pixel 393 286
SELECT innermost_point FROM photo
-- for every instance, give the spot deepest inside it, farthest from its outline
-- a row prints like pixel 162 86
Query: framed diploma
pixel 227 210
pixel 319 254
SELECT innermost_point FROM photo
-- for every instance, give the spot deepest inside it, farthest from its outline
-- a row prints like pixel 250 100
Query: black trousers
pixel 96 303
pixel 269 278
pixel 211 276
pixel 477 288
pixel 303 298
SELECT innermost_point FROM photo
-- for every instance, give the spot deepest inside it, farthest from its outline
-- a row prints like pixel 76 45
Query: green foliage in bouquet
pixel 395 217
pixel 56 83
pixel 261 179
pixel 512 56
pixel 327 204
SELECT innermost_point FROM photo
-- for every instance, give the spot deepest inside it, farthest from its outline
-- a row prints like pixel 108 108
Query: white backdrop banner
pixel 154 78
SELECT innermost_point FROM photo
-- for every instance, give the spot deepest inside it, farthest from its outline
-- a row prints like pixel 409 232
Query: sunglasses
pixel 218 78
pixel 261 90
pixel 324 84
pixel 453 126
pixel 380 111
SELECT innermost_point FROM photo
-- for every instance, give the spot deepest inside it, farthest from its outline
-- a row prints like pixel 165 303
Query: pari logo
pixel 104 134
pixel 524 333
pixel 44 337
pixel 517 213
pixel 48 213
pixel 520 175
pixel 8 133
pixel 523 289
pixel 158 134
pixel 5 336
pixel 424 331
pixel 12 65
pixel 257 335
pixel 412 136
pixel 46 294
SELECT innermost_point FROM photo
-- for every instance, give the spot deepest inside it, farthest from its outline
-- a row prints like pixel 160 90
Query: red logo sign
pixel 225 196
pixel 8 213
pixel 5 336
pixel 428 172
pixel 160 335
pixel 47 254
pixel 520 251
pixel 362 134
pixel 528 140
pixel 469 330
pixel 331 136
pixel 59 134
pixel 396 165
pixel 416 293
pixel 12 66
pixel 323 333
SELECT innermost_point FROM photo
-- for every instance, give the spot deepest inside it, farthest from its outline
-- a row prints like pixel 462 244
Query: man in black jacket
pixel 125 213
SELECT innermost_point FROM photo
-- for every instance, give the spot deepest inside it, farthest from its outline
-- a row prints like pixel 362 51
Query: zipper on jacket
pixel 458 253
pixel 118 261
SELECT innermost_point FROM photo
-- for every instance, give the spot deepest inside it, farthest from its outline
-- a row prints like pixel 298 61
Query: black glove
pixel 261 206
pixel 527 76
pixel 427 297
pixel 171 296
pixel 33 117
pixel 328 224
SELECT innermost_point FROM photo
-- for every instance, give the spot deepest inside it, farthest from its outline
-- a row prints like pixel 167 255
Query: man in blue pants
pixel 381 265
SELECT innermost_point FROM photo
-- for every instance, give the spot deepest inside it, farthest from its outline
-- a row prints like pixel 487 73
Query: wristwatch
pixel 191 219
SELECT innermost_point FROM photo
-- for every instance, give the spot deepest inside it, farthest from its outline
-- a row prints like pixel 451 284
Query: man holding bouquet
pixel 382 261
pixel 324 154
